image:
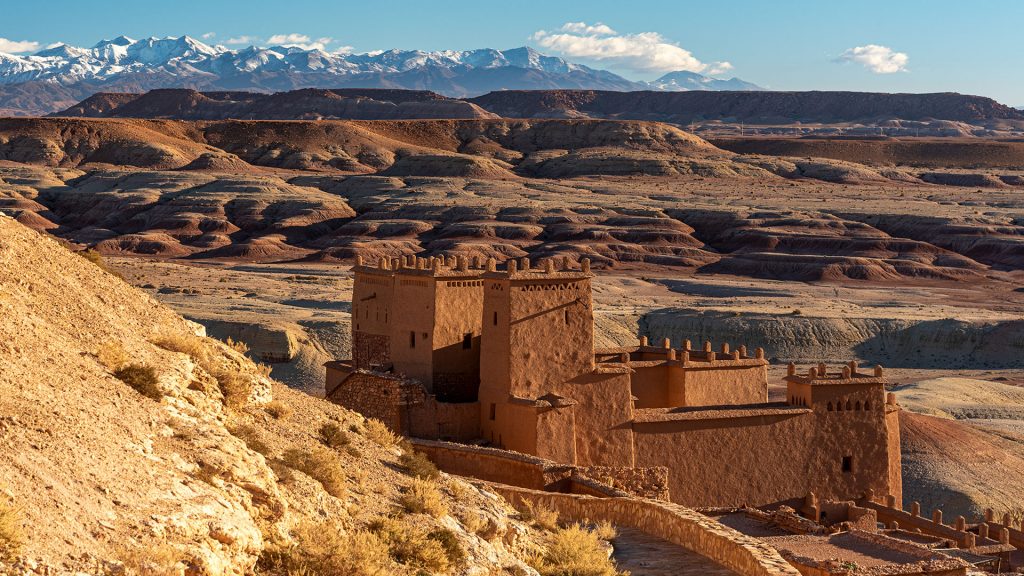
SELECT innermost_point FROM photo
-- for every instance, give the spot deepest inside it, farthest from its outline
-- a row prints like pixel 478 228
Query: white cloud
pixel 641 52
pixel 716 68
pixel 878 59
pixel 585 29
pixel 15 46
pixel 208 35
pixel 248 40
pixel 300 40
pixel 54 45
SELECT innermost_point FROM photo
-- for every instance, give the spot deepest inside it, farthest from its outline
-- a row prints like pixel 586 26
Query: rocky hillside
pixel 745 106
pixel 127 438
pixel 306 104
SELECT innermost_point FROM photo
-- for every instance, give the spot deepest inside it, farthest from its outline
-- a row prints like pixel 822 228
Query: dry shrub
pixel 379 432
pixel 12 536
pixel 423 497
pixel 410 544
pixel 282 471
pixel 605 530
pixel 251 437
pixel 574 551
pixel 450 542
pixel 237 346
pixel 97 259
pixel 150 560
pixel 111 355
pixel 541 515
pixel 264 370
pixel 142 378
pixel 321 465
pixel 333 436
pixel 474 523
pixel 234 386
pixel 326 549
pixel 279 410
pixel 417 465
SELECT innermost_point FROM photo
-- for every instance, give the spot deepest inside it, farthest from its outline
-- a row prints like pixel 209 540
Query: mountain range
pixel 59 76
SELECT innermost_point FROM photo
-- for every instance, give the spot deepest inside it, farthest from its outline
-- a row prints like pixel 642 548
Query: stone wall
pixel 526 471
pixel 692 530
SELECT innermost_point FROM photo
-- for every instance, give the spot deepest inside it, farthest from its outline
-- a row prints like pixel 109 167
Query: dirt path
pixel 645 555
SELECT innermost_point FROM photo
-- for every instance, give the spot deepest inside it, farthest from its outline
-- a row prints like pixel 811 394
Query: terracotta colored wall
pixel 371 314
pixel 603 433
pixel 459 309
pixel 713 386
pixel 761 460
pixel 743 554
pixel 650 385
pixel 550 334
pixel 413 314
pixel 556 427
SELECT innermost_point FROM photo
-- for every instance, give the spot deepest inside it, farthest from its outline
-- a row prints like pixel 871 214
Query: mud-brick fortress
pixel 459 350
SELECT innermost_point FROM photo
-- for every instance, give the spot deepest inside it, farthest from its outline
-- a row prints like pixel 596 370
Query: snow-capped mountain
pixel 684 81
pixel 59 76
pixel 187 57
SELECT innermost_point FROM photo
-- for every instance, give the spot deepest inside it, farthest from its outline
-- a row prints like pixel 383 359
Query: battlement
pixel 550 268
pixel 686 355
pixel 847 374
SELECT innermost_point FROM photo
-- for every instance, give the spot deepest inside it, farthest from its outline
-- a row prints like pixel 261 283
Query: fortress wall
pixel 602 432
pixel 764 459
pixel 443 420
pixel 908 521
pixel 459 309
pixel 372 396
pixel 743 554
pixel 412 321
pixel 371 316
pixel 550 328
pixel 650 385
pixel 713 386
pixel 491 464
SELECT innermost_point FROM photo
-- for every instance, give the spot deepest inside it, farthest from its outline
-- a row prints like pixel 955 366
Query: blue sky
pixel 894 46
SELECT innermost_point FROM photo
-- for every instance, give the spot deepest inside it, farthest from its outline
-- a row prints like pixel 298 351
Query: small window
pixel 495 318
pixel 412 339
pixel 847 463
pixel 467 342
pixel 494 409
pixel 566 315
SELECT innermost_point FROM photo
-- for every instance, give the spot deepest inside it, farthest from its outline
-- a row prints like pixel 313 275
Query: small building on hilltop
pixel 459 350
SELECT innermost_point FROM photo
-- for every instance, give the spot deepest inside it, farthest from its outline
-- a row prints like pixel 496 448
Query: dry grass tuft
pixel 264 370
pixel 333 436
pixel 12 535
pixel 605 531
pixel 279 410
pixel 234 386
pixel 321 465
pixel 251 437
pixel 326 549
pixel 377 431
pixel 423 497
pixel 142 378
pixel 539 514
pixel 237 346
pixel 410 544
pixel 111 355
pixel 574 551
pixel 97 259
pixel 418 465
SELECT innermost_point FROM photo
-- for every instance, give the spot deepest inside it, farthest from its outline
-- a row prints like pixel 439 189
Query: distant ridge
pixel 56 78
pixel 304 104
pixel 746 106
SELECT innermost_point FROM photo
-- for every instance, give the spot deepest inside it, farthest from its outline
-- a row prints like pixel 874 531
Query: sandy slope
pixel 99 470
